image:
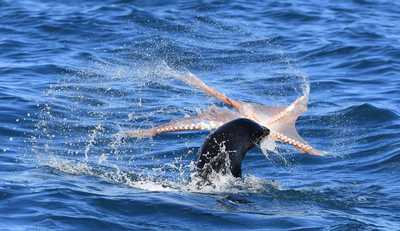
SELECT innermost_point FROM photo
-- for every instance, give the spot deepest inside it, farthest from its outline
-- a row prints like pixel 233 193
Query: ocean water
pixel 75 73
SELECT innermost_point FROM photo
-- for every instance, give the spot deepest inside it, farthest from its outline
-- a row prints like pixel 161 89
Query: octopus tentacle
pixel 298 107
pixel 285 139
pixel 210 119
pixel 192 80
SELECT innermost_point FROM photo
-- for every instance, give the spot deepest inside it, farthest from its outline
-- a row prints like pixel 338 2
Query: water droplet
pixel 266 145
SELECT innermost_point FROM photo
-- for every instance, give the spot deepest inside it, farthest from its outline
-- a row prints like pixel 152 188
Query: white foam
pixel 221 183
pixel 267 144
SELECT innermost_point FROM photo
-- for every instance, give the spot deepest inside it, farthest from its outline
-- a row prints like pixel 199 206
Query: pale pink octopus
pixel 280 120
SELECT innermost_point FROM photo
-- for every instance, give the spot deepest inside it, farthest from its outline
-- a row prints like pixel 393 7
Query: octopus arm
pixel 194 81
pixel 283 126
pixel 210 119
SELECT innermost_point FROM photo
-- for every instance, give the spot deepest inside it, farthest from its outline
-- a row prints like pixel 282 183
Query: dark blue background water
pixel 73 73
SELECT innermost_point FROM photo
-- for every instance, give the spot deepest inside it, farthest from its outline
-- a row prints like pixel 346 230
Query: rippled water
pixel 75 74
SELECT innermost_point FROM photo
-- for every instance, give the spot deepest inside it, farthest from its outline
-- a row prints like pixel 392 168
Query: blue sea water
pixel 75 73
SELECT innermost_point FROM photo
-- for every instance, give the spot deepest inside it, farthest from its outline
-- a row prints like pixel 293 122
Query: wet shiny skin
pixel 224 149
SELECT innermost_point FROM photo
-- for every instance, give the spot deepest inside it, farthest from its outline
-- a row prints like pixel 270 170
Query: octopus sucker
pixel 284 139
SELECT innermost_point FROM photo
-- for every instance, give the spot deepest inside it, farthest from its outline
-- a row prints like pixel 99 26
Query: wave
pixel 148 20
pixel 368 114
pixel 357 116
pixel 383 159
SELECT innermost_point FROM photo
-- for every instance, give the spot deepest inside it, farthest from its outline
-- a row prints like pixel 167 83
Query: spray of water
pixel 81 114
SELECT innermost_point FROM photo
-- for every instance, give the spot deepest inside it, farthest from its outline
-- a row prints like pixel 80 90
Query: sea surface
pixel 73 74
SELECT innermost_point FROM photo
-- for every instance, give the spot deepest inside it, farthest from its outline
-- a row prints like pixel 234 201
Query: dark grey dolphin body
pixel 225 148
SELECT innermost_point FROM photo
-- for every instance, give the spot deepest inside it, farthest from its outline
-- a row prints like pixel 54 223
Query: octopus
pixel 280 120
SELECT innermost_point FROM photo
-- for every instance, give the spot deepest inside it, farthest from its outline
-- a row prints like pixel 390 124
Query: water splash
pixel 76 128
pixel 267 145
pixel 221 183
